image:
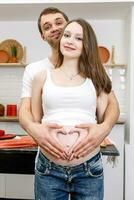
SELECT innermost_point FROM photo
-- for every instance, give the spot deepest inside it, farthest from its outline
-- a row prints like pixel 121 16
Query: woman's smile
pixel 69 48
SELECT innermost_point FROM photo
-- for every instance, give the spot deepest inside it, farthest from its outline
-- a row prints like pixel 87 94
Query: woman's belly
pixel 69 140
pixel 72 136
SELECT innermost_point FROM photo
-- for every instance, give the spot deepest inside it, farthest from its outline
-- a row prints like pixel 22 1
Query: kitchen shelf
pixel 13 64
pixel 115 65
pixel 9 119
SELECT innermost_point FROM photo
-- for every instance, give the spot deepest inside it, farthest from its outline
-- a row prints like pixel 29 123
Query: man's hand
pixel 43 135
pixel 96 134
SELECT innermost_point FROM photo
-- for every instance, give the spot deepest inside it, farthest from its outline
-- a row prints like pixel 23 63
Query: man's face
pixel 51 26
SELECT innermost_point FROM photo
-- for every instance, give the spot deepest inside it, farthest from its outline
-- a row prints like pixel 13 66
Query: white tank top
pixel 68 106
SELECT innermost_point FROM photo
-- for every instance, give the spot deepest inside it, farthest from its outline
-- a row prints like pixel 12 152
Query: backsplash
pixel 118 78
pixel 11 84
pixel 10 91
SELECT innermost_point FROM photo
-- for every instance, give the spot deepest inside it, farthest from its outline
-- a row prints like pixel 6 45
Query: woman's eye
pixel 79 38
pixel 66 35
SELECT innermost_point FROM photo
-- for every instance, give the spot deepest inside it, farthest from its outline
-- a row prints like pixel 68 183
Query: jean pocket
pixel 42 168
pixel 95 168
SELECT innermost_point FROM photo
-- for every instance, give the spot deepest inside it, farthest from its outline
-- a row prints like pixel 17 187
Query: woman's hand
pixel 96 134
pixel 43 135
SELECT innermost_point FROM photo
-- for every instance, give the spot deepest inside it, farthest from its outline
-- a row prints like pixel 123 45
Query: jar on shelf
pixel 2 110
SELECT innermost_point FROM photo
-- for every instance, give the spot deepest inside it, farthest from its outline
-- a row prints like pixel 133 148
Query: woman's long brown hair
pixel 89 64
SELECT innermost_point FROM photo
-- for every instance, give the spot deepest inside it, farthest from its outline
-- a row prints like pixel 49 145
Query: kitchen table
pixel 21 160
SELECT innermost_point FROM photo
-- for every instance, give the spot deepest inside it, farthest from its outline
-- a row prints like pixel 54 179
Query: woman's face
pixel 71 43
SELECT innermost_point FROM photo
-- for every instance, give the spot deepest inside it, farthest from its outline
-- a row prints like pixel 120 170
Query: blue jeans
pixel 81 182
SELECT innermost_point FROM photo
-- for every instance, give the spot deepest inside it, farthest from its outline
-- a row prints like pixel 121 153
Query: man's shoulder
pixel 39 65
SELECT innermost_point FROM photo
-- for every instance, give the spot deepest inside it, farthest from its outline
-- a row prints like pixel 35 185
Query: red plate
pixel 104 54
pixel 7 136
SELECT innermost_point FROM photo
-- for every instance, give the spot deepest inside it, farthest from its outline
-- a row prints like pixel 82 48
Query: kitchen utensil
pixel 2 132
pixel 11 110
pixel 113 55
pixel 2 110
pixel 7 136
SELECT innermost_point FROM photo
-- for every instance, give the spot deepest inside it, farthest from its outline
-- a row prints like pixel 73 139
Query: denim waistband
pixel 48 162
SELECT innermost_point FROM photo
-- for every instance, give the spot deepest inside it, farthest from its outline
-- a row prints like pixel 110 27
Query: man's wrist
pixel 106 127
pixel 31 126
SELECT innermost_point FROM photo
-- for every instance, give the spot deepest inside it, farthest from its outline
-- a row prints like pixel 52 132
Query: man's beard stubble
pixel 53 43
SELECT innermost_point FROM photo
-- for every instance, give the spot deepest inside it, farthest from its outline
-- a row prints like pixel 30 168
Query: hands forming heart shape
pixel 71 137
pixel 68 139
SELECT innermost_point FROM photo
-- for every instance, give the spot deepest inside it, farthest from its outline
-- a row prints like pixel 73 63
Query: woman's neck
pixel 70 65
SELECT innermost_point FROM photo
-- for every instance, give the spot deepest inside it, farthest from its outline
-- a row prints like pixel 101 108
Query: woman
pixel 69 95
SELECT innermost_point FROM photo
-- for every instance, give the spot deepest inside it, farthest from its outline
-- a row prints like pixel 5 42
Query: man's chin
pixel 54 43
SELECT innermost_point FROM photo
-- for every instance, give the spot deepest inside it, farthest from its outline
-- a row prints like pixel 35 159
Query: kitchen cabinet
pixel 2 186
pixel 114 175
pixel 19 186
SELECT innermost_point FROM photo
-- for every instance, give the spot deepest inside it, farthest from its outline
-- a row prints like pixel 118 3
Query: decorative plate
pixel 4 56
pixel 7 44
pixel 104 54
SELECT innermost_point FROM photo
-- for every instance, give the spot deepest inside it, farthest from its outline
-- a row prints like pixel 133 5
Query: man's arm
pixel 39 132
pixel 97 132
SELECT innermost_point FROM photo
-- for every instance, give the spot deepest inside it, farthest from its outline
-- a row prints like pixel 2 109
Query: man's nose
pixel 54 28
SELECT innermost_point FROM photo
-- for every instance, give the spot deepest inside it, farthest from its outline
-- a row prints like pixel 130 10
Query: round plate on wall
pixel 4 56
pixel 104 54
pixel 7 45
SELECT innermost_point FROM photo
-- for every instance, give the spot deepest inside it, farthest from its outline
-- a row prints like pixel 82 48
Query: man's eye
pixel 46 28
pixel 60 22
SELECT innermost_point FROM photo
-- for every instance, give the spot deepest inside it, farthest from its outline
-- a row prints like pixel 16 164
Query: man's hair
pixel 50 10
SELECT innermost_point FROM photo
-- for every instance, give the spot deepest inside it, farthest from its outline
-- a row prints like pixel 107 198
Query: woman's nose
pixel 70 40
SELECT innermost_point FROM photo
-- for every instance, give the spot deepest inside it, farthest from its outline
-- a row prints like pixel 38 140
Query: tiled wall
pixel 10 84
pixel 118 78
pixel 10 91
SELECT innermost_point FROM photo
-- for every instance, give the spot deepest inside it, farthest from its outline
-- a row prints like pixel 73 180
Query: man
pixel 51 22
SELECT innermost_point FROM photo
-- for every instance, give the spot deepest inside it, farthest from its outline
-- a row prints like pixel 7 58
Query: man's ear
pixel 42 36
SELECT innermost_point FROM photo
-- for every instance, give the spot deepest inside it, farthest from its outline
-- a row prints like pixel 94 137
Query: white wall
pixel 108 32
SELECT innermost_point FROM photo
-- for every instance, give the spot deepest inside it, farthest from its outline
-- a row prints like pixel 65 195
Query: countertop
pixel 21 160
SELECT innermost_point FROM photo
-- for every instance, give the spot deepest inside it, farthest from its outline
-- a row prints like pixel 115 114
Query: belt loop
pixel 85 166
pixel 50 164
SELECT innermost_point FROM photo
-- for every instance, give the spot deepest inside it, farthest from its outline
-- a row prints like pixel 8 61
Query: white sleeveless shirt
pixel 69 106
